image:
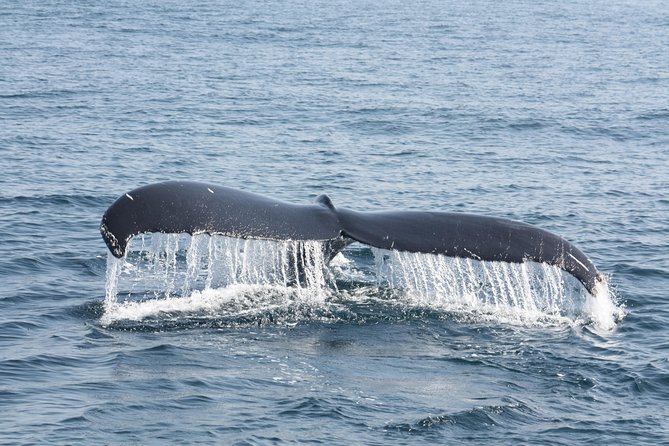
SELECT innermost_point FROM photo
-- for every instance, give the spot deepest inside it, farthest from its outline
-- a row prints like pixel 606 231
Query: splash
pixel 165 274
pixel 517 293
pixel 177 275
pixel 231 305
pixel 602 307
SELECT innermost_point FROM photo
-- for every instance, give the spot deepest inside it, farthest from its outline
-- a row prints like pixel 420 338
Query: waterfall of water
pixel 221 275
pixel 525 291
pixel 175 268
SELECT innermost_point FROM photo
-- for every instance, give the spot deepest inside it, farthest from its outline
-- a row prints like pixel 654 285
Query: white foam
pixel 232 301
pixel 602 309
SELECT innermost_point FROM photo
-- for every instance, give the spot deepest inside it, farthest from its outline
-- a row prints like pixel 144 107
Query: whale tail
pixel 199 208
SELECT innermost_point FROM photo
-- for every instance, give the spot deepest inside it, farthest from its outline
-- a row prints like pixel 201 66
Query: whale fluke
pixel 197 208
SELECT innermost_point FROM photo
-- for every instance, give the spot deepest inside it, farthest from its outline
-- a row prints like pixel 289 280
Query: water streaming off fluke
pixel 518 292
pixel 220 277
pixel 216 275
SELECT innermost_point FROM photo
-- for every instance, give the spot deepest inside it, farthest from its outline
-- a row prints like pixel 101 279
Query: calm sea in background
pixel 552 113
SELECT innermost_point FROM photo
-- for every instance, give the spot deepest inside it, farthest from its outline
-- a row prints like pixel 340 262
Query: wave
pixel 511 413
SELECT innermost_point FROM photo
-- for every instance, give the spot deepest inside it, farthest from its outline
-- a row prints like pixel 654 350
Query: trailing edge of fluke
pixel 199 208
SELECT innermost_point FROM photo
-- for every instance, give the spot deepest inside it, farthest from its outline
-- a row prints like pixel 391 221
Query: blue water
pixel 552 113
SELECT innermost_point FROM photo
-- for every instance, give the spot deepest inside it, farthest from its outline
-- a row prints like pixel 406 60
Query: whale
pixel 200 208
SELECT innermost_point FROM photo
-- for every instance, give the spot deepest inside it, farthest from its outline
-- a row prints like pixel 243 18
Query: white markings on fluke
pixel 578 261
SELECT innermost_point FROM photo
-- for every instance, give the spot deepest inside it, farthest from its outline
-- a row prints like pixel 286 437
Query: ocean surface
pixel 551 113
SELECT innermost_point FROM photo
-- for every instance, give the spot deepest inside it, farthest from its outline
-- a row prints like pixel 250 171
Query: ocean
pixel 550 113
